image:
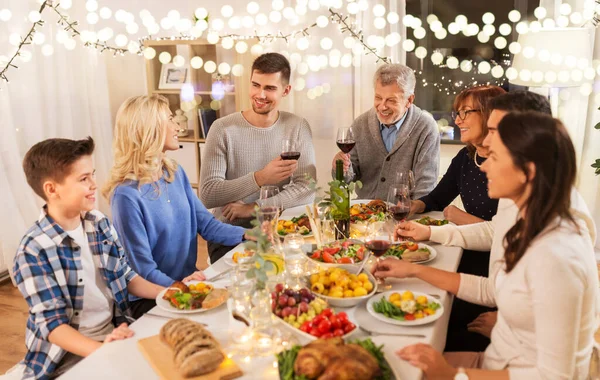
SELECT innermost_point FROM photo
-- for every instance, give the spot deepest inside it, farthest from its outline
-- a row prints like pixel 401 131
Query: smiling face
pixel 171 138
pixel 390 103
pixel 471 129
pixel 492 124
pixel 77 191
pixel 266 91
pixel 505 179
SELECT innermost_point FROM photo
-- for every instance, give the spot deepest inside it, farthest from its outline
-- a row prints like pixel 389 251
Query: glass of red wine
pixel 378 241
pixel 345 140
pixel 290 151
pixel 399 202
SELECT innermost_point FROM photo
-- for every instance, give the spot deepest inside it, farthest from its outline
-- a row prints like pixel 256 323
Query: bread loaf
pixel 195 351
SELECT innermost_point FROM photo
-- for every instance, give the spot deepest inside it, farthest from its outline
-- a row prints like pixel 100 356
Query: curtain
pixel 580 114
pixel 62 95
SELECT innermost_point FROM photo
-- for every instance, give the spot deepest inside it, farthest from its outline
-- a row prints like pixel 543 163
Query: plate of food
pixel 417 253
pixel 346 251
pixel 374 210
pixel 341 288
pixel 429 221
pixel 239 257
pixel 405 308
pixel 335 359
pixel 308 316
pixel 193 297
pixel 299 224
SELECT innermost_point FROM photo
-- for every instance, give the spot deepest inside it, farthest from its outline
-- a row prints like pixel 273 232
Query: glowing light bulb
pixel 210 67
pixel 164 57
pixel 196 62
pixel 178 61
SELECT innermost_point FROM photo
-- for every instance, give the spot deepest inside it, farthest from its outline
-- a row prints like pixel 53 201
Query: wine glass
pixel 398 202
pixel 406 178
pixel 268 191
pixel 290 151
pixel 378 241
pixel 267 195
pixel 345 140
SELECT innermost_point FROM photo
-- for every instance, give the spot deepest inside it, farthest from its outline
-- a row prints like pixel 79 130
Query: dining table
pixel 120 360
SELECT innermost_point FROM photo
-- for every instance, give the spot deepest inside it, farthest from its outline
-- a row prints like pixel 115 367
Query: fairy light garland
pixel 367 46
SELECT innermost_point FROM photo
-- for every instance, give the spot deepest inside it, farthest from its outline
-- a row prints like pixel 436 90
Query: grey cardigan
pixel 417 148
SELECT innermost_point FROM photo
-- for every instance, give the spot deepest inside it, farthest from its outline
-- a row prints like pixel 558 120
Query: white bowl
pixel 307 336
pixel 350 301
pixel 309 248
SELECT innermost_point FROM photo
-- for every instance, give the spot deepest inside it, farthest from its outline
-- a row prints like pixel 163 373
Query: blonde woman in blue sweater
pixel 154 208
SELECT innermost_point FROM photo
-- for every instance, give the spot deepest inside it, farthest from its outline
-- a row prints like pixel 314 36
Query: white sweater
pixel 547 304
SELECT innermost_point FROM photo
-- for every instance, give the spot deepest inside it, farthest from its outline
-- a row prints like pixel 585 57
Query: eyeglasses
pixel 462 114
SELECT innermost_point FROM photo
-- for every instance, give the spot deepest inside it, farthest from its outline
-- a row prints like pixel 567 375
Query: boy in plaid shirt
pixel 70 266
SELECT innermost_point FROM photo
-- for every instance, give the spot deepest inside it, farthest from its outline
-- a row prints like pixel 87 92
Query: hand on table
pixel 344 157
pixel 425 357
pixel 455 215
pixel 484 323
pixel 238 210
pixel 413 230
pixel 393 268
pixel 275 172
pixel 416 207
pixel 196 276
pixel 119 333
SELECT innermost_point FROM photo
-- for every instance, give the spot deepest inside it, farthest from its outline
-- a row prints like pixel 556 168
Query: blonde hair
pixel 139 138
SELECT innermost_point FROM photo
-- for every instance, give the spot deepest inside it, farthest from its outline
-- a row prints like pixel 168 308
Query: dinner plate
pixel 166 305
pixel 310 234
pixel 432 256
pixel 416 322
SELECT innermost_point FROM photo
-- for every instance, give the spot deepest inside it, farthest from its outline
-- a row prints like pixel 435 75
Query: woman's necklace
pixel 475 160
pixel 167 189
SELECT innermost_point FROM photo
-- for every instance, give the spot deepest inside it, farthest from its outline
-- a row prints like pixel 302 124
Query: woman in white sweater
pixel 546 285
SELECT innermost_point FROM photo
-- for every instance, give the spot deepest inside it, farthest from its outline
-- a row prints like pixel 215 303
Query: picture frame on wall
pixel 173 77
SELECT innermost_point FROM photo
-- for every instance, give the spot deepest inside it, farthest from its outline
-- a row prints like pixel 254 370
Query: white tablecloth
pixel 122 359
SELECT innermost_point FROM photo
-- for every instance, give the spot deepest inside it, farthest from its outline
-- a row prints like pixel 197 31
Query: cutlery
pixel 371 332
pixel 215 277
pixel 168 317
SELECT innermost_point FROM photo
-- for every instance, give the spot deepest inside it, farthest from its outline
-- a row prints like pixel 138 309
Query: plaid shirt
pixel 48 271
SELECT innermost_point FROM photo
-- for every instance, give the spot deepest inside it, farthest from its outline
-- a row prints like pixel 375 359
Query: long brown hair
pixel 480 96
pixel 538 139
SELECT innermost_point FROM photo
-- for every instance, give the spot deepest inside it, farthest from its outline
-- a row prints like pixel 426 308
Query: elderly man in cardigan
pixel 393 136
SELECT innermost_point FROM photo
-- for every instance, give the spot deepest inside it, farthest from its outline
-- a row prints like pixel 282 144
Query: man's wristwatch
pixel 461 374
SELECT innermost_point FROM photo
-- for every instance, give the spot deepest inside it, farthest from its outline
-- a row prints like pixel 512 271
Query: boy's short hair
pixel 52 159
pixel 271 63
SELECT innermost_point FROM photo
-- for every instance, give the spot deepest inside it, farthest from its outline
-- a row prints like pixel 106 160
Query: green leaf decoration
pixel 596 165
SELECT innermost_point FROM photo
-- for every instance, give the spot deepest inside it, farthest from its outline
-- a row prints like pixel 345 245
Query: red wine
pixel 346 145
pixel 378 247
pixel 290 155
pixel 399 212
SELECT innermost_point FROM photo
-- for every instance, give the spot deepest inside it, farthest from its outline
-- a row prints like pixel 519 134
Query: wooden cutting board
pixel 160 357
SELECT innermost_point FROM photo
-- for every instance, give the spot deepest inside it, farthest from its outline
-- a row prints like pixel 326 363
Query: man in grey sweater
pixel 243 150
pixel 394 136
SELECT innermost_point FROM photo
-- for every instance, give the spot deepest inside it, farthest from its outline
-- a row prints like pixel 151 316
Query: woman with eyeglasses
pixel 463 176
pixel 546 283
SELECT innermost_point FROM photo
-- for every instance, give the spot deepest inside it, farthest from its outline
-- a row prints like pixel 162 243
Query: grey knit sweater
pixel 417 148
pixel 235 149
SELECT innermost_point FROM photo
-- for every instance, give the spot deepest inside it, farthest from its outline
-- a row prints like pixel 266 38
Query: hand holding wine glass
pixel 290 151
pixel 398 202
